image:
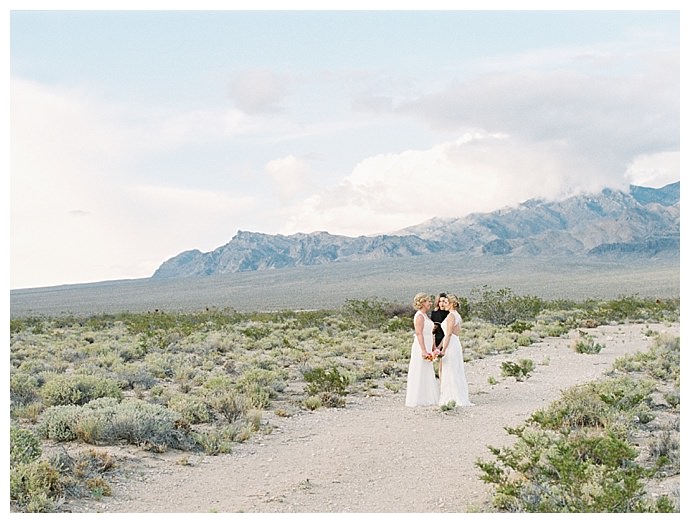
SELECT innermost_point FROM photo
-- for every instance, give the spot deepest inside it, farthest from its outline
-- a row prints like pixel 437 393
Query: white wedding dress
pixel 422 385
pixel 453 381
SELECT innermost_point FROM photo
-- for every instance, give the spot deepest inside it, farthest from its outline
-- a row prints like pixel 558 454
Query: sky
pixel 136 133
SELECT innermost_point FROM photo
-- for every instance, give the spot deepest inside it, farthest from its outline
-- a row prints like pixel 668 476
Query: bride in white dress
pixel 422 386
pixel 453 381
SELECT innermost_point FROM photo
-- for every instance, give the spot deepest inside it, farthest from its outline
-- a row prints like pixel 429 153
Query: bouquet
pixel 434 355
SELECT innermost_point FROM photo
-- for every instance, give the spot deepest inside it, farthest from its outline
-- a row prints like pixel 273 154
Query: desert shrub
pixel 59 423
pixel 398 324
pixel 33 324
pixel 584 471
pixel 661 361
pixel 578 455
pixel 256 332
pixel 78 389
pixel 451 405
pixel 331 399
pixel 504 342
pixel 24 446
pixel 34 486
pixel 140 423
pixel 325 380
pixel 24 389
pixel 372 313
pixel 29 412
pixel 231 404
pixel 636 308
pixel 520 370
pixel 99 487
pixel 585 344
pixel 163 365
pixel 577 408
pixel 218 440
pixel 134 375
pixel 520 326
pixel 40 486
pixel 257 396
pixel 624 393
pixel 106 421
pixel 524 340
pixel 273 381
pixel 502 306
pixel 665 450
pixel 673 398
pixel 192 409
pixel 313 402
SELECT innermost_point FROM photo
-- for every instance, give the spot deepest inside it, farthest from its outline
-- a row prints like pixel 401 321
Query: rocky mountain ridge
pixel 642 222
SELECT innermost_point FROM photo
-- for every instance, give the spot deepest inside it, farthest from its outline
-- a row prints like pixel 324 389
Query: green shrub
pixel 218 440
pixel 24 389
pixel 331 399
pixel 192 409
pixel 257 396
pixel 141 423
pixel 59 423
pixel 374 313
pixel 79 389
pixel 134 421
pixel 35 485
pixel 583 471
pixel 577 408
pixel 231 404
pixel 520 326
pixel 578 455
pixel 325 380
pixel 270 380
pixel 313 402
pixel 448 406
pixel 24 446
pixel 624 393
pixel 503 307
pixel 520 370
pixel 585 344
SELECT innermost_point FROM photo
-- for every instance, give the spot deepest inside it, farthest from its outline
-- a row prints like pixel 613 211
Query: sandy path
pixel 376 455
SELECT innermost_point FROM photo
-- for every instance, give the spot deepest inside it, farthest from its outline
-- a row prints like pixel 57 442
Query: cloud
pixel 290 175
pixel 478 172
pixel 606 120
pixel 654 170
pixel 259 91
pixel 80 210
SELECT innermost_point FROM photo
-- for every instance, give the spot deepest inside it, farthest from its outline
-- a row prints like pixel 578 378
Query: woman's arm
pixel 419 332
pixel 450 325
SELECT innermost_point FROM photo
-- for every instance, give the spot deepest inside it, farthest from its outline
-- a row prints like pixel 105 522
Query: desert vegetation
pixel 601 447
pixel 208 380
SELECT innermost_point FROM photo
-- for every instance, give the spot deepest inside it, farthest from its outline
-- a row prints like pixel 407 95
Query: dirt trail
pixel 376 455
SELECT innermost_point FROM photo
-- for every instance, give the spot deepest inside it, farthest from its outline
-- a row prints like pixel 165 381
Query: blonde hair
pixel 419 299
pixel 453 300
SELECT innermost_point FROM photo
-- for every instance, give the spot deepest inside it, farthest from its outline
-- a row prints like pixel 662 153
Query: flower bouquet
pixel 434 355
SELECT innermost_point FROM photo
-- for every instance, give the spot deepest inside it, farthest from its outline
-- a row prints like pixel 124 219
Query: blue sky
pixel 136 135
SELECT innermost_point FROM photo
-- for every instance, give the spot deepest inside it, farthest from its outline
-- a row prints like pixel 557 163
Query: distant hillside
pixel 642 222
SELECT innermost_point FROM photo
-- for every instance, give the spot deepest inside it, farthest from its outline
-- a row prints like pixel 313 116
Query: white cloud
pixel 476 173
pixel 259 90
pixel 78 210
pixel 605 120
pixel 654 170
pixel 291 176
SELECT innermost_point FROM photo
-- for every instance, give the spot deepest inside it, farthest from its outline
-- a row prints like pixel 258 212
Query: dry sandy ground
pixel 376 455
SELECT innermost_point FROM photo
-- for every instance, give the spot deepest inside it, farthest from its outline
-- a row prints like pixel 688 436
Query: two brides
pixel 422 386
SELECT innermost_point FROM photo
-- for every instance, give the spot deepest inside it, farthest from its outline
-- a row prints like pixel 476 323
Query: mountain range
pixel 639 222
